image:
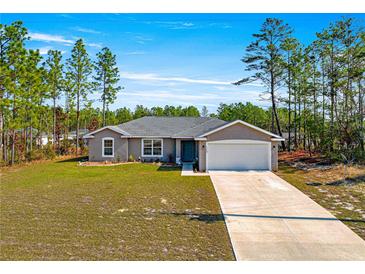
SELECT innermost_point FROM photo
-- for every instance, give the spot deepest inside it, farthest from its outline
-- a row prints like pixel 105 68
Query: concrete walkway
pixel 269 219
pixel 187 170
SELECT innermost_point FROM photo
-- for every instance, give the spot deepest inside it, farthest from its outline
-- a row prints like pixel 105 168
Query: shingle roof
pixel 171 126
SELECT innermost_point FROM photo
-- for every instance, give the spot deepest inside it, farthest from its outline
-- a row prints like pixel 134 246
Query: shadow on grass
pixel 287 169
pixel 202 217
pixel 76 159
pixel 349 181
pixel 212 218
pixel 296 218
pixel 168 168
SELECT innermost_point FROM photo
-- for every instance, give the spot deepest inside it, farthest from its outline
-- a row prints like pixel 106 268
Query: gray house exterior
pixel 214 143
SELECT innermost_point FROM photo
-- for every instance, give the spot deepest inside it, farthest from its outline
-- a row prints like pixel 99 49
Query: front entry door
pixel 187 151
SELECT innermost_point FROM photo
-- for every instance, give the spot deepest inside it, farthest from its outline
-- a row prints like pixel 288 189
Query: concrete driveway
pixel 269 219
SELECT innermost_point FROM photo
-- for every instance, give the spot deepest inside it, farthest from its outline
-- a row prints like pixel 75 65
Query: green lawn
pixel 61 211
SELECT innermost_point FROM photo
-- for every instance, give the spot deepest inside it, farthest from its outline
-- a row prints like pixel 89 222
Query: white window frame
pixel 152 155
pixel 105 139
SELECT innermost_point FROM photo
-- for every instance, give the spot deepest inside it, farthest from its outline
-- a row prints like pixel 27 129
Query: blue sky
pixel 175 59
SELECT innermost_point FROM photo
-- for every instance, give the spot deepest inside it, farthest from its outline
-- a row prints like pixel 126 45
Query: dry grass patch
pixel 341 192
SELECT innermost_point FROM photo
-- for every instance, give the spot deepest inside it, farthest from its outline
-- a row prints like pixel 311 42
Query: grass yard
pixel 62 211
pixel 344 199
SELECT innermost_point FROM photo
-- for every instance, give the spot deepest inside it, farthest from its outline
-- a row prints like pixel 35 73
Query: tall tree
pixel 290 45
pixel 79 70
pixel 33 92
pixel 264 57
pixel 12 55
pixel 54 81
pixel 107 78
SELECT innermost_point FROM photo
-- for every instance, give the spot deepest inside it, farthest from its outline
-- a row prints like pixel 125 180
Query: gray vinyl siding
pixel 95 147
pixel 238 132
pixel 169 150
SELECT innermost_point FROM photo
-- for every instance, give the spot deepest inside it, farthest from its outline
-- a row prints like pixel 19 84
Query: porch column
pixel 202 155
pixel 178 151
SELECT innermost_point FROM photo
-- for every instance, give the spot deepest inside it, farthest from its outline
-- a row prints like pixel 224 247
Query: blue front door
pixel 188 149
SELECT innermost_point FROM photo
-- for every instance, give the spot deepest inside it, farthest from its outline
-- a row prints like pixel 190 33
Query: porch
pixel 186 151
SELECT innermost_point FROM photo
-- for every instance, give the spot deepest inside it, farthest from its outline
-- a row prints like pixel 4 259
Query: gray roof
pixel 171 126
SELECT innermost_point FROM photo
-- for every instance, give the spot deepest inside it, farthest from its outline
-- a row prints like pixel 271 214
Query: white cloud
pixel 172 95
pixel 49 38
pixel 135 53
pixel 233 87
pixel 187 24
pixel 155 77
pixel 86 30
pixel 142 39
pixel 220 25
pixel 95 45
pixel 44 50
pixel 172 24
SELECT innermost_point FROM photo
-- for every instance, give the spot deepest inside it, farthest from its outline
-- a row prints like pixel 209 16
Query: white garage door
pixel 238 155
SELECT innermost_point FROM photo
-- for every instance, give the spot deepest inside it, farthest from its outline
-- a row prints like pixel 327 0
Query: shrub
pixel 48 152
pixel 118 158
pixel 36 154
pixel 65 147
pixel 196 164
pixel 131 158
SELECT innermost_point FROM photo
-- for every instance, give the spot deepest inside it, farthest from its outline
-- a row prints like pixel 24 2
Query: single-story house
pixel 214 143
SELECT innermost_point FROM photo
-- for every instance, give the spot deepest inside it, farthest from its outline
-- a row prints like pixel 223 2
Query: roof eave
pixel 278 139
pixel 243 123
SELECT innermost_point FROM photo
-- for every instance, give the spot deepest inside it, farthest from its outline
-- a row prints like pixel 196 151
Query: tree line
pixel 321 85
pixel 28 82
pixel 316 91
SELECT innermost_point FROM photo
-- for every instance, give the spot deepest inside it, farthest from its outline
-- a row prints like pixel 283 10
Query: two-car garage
pixel 238 155
pixel 238 146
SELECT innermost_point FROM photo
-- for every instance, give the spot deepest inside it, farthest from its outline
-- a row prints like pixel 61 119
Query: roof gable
pixel 245 124
pixel 113 128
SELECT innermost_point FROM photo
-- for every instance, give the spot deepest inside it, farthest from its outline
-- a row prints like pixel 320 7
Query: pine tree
pixel 264 57
pixel 107 78
pixel 79 70
pixel 290 46
pixel 12 55
pixel 54 81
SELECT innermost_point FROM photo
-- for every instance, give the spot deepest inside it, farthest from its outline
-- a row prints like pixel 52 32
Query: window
pixel 108 147
pixel 152 147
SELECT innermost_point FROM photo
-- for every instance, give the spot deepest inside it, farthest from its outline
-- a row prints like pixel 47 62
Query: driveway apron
pixel 269 219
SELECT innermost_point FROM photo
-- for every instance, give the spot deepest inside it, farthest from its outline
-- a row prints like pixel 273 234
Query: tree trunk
pixel 104 122
pixel 272 90
pixel 304 122
pixel 289 106
pixel 323 102
pixel 361 114
pixel 12 159
pixel 314 135
pixel 332 96
pixel 295 121
pixel 299 120
pixel 77 121
pixel 31 136
pixel 5 148
pixel 2 137
pixel 54 123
